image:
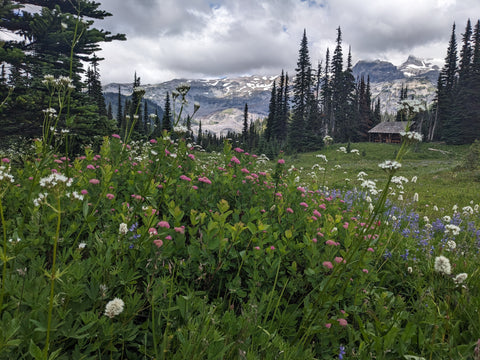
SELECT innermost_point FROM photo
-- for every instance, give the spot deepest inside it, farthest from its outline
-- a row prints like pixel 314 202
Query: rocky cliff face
pixel 222 101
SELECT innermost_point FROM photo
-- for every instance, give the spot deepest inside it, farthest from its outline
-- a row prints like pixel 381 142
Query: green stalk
pixel 4 255
pixel 52 277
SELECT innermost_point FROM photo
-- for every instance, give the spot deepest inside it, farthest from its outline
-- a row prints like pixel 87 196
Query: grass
pixel 441 180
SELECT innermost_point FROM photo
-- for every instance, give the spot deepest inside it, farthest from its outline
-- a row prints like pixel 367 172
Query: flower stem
pixel 52 278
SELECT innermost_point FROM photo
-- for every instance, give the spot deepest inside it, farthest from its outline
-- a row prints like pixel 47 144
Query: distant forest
pixel 60 40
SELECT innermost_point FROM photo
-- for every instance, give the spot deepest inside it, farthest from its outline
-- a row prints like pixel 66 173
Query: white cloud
pixel 200 38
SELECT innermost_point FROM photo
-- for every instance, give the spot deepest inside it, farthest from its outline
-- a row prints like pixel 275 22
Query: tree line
pixel 324 101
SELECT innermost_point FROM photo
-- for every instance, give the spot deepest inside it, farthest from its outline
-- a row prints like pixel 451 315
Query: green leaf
pixel 35 351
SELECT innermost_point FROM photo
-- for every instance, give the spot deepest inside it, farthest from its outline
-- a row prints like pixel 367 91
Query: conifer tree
pixel 272 110
pixel 446 85
pixel 167 114
pixel 301 95
pixel 245 124
pixel 326 97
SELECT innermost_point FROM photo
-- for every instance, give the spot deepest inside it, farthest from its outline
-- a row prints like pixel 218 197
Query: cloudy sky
pixel 169 39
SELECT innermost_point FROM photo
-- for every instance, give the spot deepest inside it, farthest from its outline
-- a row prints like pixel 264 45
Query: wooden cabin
pixel 388 132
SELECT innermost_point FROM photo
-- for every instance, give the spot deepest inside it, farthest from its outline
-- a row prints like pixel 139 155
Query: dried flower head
pixel 442 265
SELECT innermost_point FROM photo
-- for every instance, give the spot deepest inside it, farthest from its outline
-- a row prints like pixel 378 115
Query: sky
pixel 197 39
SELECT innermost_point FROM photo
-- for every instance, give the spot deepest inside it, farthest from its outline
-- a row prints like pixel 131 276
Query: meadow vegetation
pixel 157 250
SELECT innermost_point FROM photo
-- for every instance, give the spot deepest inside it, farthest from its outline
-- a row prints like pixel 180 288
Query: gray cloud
pixel 200 38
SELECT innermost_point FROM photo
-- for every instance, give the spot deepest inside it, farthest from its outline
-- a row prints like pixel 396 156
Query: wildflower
pixel 342 352
pixel 281 161
pixel 342 322
pixel 94 181
pixel 235 160
pixel 123 229
pixel 164 224
pixel 139 91
pixel 460 278
pixel 328 325
pixel 442 265
pixel 116 136
pixel 338 259
pixel 451 244
pixel 304 204
pixel 180 229
pixel 54 179
pixel 152 231
pixel 390 166
pixel 452 229
pixel 184 177
pixel 272 247
pixel 409 269
pixel 82 245
pixel 289 210
pixel 328 264
pixel 415 197
pixel 321 156
pixel 114 307
pixel 365 271
pixel 110 196
pixel 411 136
pixel 158 242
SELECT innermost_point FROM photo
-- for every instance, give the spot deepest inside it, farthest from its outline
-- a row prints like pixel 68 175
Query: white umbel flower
pixel 114 307
pixel 123 229
pixel 442 265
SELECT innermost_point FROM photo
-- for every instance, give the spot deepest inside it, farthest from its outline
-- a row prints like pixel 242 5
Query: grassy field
pixel 441 179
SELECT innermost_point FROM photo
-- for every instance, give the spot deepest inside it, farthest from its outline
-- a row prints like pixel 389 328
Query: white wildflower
pixel 442 265
pixel 409 269
pixel 460 278
pixel 55 179
pixel 361 175
pixel 452 229
pixel 123 229
pixel 411 136
pixel 451 245
pixel 415 197
pixel 321 156
pixel 114 307
pixel 414 179
pixel 390 165
pixel 447 219
pixel 82 245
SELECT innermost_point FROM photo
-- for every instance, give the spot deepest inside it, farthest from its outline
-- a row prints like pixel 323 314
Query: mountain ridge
pixel 222 100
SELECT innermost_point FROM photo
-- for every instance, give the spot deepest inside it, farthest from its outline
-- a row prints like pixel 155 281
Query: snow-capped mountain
pixel 222 101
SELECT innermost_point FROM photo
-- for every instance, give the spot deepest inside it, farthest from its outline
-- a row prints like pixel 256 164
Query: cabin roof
pixel 391 127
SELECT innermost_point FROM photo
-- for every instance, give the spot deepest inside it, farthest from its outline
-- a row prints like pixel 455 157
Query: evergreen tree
pixel 326 97
pixel 109 111
pixel 446 85
pixel 245 124
pixel 364 112
pixel 167 114
pixel 301 96
pixel 199 135
pixel 272 110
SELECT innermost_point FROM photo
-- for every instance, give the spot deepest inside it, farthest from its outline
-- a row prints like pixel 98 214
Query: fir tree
pixel 245 124
pixel 167 114
pixel 301 95
pixel 272 110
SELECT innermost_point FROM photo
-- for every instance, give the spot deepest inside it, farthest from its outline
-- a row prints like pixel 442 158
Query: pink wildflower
pixel 6 160
pixel 235 160
pixel 331 243
pixel 237 149
pixel 116 136
pixel 245 171
pixel 180 229
pixel 257 247
pixel 84 192
pixel 94 181
pixel 272 247
pixel 317 213
pixel 289 210
pixel 328 264
pixel 184 177
pixel 153 141
pixel 370 249
pixel 191 156
pixel 365 271
pixel 205 180
pixel 281 161
pixel 328 325
pixel 345 226
pixel 164 224
pixel 304 204
pixel 342 322
pixel 158 242
pixel 168 237
pixel 90 167
pixel 152 231
pixel 110 196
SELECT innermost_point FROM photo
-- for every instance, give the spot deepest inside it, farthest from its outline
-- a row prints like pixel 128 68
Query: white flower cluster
pixel 327 139
pixel 54 179
pixel 123 229
pixel 442 265
pixel 62 81
pixel 451 229
pixel 139 90
pixel 41 197
pixel 460 278
pixel 451 245
pixel 322 156
pixel 411 136
pixel 342 149
pixel 114 307
pixel 355 151
pixel 5 175
pixel 74 195
pixel 390 165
